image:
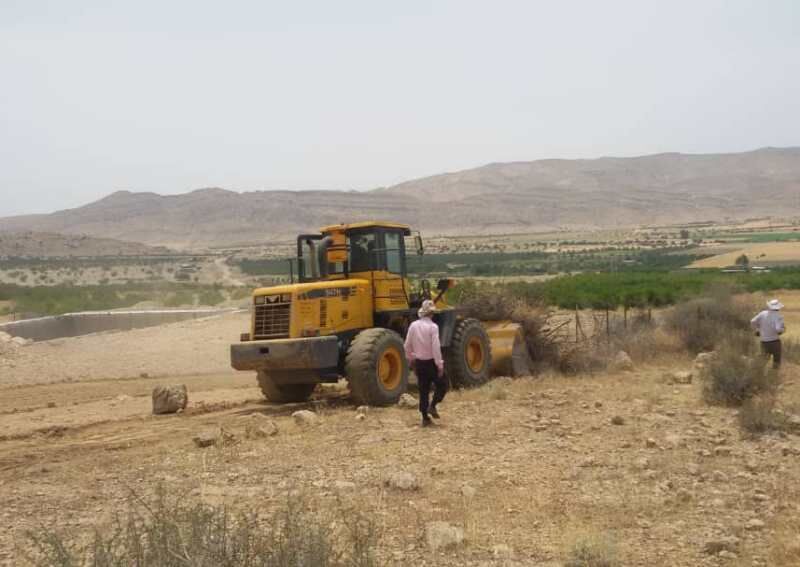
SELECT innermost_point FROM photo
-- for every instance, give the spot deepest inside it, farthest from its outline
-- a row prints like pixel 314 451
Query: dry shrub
pixel 498 389
pixel 644 343
pixel 734 377
pixel 172 531
pixel 593 550
pixel 784 545
pixel 758 415
pixel 584 358
pixel 703 324
pixel 791 350
pixel 533 318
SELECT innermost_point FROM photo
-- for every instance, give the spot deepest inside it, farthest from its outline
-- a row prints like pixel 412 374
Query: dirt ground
pixel 531 464
pixel 189 348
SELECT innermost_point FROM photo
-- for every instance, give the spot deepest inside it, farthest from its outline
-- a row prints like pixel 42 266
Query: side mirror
pixel 418 243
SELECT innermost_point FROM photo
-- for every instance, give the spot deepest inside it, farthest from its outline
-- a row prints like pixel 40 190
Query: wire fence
pixel 581 326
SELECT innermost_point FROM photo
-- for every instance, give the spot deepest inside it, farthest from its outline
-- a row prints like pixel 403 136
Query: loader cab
pixel 344 251
pixel 375 252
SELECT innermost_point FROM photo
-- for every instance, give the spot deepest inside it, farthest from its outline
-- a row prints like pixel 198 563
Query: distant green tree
pixel 743 261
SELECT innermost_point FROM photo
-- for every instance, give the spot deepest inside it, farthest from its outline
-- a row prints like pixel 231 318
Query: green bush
pixel 210 297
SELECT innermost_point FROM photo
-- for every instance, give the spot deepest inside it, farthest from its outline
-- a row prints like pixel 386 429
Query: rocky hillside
pixel 50 245
pixel 502 197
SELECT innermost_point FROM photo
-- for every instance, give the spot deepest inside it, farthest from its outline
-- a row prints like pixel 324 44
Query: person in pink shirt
pixel 424 353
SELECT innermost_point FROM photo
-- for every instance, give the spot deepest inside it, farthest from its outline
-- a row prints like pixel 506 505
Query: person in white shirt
pixel 769 326
pixel 424 354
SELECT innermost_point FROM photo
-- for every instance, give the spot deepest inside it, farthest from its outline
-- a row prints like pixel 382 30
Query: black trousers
pixel 773 349
pixel 427 375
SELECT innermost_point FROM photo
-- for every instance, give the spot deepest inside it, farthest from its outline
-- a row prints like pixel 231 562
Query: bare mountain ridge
pixel 50 245
pixel 495 198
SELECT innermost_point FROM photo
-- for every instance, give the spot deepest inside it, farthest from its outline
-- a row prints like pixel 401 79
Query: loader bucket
pixel 510 355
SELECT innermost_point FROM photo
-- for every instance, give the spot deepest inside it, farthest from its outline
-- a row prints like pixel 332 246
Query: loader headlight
pixel 260 300
pixel 286 297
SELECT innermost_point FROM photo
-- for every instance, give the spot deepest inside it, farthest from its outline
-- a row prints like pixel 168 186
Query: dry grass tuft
pixel 592 550
pixel 758 415
pixel 705 323
pixel 488 305
pixel 171 531
pixel 734 377
pixel 791 350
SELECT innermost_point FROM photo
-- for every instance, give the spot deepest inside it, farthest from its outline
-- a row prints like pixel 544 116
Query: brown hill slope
pixel 503 197
pixel 50 245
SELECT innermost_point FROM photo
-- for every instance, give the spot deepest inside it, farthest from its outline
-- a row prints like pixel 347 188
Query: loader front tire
pixel 469 357
pixel 283 393
pixel 376 367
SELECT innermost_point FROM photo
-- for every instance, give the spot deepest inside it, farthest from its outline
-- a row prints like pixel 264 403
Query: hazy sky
pixel 170 96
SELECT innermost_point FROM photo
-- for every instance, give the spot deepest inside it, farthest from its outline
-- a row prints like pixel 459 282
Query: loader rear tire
pixel 376 367
pixel 469 357
pixel 283 393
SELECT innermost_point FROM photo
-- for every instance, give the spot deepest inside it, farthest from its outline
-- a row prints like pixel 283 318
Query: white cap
pixel 774 305
pixel 428 308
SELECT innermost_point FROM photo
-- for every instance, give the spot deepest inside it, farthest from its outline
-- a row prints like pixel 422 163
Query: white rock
pixel 5 337
pixel 260 428
pixel 705 357
pixel 408 401
pixel 622 361
pixel 205 439
pixel 680 377
pixel 754 525
pixel 468 492
pixel 344 485
pixel 305 417
pixel 169 399
pixel 441 535
pixel 402 480
pixel 502 551
pixel 362 410
pixel 19 341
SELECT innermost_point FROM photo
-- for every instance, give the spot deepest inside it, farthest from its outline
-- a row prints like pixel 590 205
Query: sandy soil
pixel 531 464
pixel 542 455
pixel 190 348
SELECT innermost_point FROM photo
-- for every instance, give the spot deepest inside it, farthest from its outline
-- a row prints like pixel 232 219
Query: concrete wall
pixel 76 324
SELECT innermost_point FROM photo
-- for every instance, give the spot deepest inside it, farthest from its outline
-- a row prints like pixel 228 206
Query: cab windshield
pixel 367 250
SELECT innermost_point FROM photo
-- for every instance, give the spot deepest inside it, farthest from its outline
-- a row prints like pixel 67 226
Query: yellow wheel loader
pixel 348 315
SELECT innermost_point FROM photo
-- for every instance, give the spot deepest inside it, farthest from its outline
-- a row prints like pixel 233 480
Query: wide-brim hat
pixel 774 305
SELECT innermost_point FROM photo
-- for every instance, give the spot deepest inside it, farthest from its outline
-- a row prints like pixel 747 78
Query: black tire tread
pixel 283 393
pixel 361 367
pixel 455 364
